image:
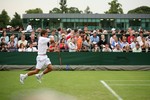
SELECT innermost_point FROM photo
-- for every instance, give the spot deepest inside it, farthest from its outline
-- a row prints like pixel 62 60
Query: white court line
pixel 111 90
pixel 128 80
pixel 129 84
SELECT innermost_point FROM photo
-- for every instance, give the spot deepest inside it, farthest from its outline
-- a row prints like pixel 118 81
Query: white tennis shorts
pixel 41 61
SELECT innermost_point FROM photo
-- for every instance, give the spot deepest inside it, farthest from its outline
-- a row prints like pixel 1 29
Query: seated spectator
pixel 106 48
pixel 62 45
pixel 72 45
pixel 102 42
pixel 112 39
pixel 4 35
pixel 139 39
pixel 115 42
pixel 133 43
pixel 12 47
pixel 137 48
pixel 21 48
pixel 33 40
pixel 96 48
pixel 124 43
pixel 117 48
pixel 3 42
pixel 31 48
pixel 15 38
pixel 127 48
pixel 53 34
pixel 3 47
pixel 53 46
pixel 86 46
pixel 94 38
pixel 131 37
pixel 22 41
pixel 79 41
pixel 12 44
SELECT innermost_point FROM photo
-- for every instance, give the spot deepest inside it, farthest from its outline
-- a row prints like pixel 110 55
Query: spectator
pixel 79 41
pixel 94 38
pixel 31 48
pixel 22 41
pixel 112 39
pixel 127 48
pixel 62 45
pixel 115 42
pixel 96 48
pixel 102 42
pixel 3 43
pixel 3 47
pixel 15 38
pixel 29 28
pixel 124 43
pixel 33 40
pixel 12 44
pixel 106 48
pixel 86 46
pixel 21 48
pixel 53 46
pixel 53 34
pixel 131 37
pixel 137 48
pixel 133 43
pixel 117 48
pixel 139 39
pixel 72 45
pixel 4 35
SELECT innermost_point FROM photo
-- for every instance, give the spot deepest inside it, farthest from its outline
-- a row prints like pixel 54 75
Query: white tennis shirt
pixel 42 45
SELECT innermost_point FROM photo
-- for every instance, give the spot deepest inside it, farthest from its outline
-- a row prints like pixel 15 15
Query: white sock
pixel 25 75
pixel 41 73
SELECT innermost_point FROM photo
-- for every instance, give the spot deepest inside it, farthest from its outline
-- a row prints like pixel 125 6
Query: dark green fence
pixel 80 58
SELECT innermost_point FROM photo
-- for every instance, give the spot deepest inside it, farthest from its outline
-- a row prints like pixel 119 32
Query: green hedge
pixel 80 58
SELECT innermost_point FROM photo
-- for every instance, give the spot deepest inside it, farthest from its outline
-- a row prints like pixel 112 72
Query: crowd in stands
pixel 77 40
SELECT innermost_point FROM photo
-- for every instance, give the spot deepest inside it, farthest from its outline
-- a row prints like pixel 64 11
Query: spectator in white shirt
pixel 72 45
pixel 22 41
pixel 4 35
pixel 21 48
pixel 31 48
pixel 106 48
pixel 117 48
pixel 137 48
pixel 29 28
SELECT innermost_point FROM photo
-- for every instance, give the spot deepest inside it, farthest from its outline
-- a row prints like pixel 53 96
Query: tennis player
pixel 41 59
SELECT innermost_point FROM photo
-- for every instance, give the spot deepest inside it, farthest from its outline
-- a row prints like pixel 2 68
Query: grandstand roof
pixel 86 16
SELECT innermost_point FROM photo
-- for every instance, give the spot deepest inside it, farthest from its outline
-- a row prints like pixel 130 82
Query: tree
pixel 4 19
pixel 115 8
pixel 63 6
pixel 73 10
pixel 87 10
pixel 140 10
pixel 55 10
pixel 34 11
pixel 16 21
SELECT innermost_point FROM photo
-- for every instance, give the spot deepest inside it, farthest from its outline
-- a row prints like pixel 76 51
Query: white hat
pixel 68 29
pixel 94 31
pixel 113 29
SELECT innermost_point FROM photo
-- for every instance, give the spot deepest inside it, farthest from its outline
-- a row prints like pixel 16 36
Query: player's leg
pixel 39 65
pixel 48 69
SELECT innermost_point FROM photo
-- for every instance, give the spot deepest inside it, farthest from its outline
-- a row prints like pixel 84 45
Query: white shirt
pixel 139 39
pixel 29 28
pixel 42 45
pixel 72 47
pixel 33 49
pixel 136 50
